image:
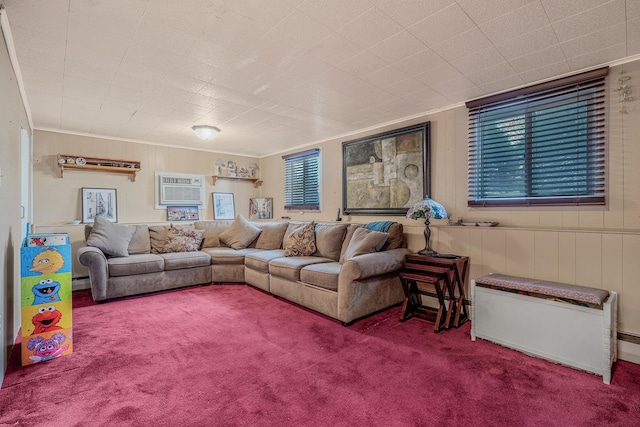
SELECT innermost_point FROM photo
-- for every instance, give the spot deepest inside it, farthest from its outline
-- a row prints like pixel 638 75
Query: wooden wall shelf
pixel 256 181
pixel 96 164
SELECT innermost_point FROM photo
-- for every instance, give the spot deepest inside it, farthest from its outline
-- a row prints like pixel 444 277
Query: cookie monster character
pixel 45 291
pixel 46 349
pixel 46 320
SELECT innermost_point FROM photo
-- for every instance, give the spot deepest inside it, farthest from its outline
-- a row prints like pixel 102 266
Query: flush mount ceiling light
pixel 206 131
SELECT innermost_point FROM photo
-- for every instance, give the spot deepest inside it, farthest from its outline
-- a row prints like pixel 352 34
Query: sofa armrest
pixel 96 261
pixel 374 264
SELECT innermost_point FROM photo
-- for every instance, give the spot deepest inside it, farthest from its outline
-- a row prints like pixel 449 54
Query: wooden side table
pixel 445 277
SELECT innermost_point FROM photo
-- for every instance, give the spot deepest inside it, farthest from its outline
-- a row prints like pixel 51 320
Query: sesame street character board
pixel 45 265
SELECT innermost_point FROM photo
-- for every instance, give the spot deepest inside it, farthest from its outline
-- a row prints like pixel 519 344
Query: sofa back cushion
pixel 157 237
pixel 329 238
pixel 240 233
pixel 212 231
pixel 272 235
pixel 396 237
pixel 364 241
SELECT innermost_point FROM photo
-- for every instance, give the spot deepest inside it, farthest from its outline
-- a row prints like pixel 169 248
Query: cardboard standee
pixel 45 265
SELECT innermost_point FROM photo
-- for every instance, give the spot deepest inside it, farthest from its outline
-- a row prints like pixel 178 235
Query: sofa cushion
pixel 180 260
pixel 289 267
pixel 240 233
pixel 112 239
pixel 157 237
pixel 135 264
pixel 329 238
pixel 225 255
pixel 212 231
pixel 182 239
pixel 301 242
pixel 259 260
pixel 272 235
pixel 140 243
pixel 324 275
pixel 396 237
pixel 364 242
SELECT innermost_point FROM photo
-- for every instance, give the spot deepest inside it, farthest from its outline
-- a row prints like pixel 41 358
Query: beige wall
pixel 12 118
pixel 57 200
pixel 591 246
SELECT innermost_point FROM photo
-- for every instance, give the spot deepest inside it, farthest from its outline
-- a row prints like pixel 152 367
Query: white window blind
pixel 540 145
pixel 302 180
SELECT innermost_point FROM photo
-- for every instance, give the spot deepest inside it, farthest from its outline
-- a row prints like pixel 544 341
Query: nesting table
pixel 441 277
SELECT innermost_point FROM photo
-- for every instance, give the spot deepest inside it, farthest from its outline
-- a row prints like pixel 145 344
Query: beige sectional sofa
pixel 342 270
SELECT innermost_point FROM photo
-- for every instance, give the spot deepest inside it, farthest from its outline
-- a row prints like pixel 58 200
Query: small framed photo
pixel 223 206
pixel 183 213
pixel 99 202
pixel 261 208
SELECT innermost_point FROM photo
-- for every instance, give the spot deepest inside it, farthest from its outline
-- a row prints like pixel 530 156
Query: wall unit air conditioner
pixel 177 189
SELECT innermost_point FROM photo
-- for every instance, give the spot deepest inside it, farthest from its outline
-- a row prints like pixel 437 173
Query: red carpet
pixel 232 355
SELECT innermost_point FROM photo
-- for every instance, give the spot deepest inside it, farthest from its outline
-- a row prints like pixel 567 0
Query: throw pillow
pixel 301 242
pixel 157 237
pixel 110 238
pixel 364 241
pixel 240 233
pixel 181 239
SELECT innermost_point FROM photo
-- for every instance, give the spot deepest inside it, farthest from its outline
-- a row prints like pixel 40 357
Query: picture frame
pixel 99 202
pixel 386 173
pixel 261 208
pixel 183 213
pixel 223 206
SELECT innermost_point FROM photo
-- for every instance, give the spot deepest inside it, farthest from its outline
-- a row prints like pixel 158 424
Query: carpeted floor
pixel 233 355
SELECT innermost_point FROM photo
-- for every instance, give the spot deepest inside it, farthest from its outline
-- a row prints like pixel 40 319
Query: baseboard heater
pixel 572 325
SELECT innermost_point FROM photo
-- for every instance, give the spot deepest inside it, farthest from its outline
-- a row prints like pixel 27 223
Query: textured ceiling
pixel 279 74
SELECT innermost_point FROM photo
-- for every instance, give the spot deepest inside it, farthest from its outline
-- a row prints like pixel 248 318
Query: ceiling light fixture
pixel 205 131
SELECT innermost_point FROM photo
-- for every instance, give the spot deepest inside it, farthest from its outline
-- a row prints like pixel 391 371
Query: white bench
pixel 572 325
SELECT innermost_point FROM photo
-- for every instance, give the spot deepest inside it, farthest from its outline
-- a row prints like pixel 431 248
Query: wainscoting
pixel 599 259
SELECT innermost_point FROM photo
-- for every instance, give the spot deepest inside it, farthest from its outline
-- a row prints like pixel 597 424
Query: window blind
pixel 540 145
pixel 302 180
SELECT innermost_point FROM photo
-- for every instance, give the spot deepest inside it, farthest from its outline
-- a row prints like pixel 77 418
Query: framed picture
pixel 99 202
pixel 183 213
pixel 261 208
pixel 223 207
pixel 387 173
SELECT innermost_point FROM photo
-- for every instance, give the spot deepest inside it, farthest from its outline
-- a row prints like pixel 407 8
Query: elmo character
pixel 46 320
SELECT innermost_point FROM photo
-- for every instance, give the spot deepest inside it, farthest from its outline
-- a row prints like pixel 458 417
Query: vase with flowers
pixel 427 208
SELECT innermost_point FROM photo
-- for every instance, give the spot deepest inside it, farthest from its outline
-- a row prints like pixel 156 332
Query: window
pixel 540 145
pixel 302 180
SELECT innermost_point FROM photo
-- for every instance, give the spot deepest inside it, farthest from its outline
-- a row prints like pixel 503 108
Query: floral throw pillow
pixel 181 239
pixel 301 242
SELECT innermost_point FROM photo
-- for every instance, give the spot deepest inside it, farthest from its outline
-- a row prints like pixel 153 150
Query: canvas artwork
pixel 386 173
pixel 261 208
pixel 183 213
